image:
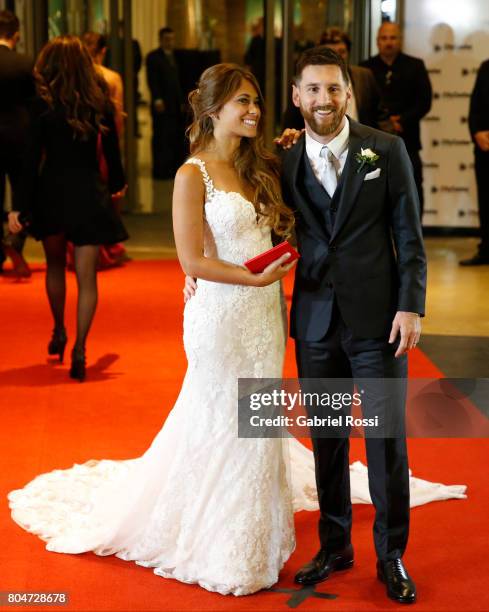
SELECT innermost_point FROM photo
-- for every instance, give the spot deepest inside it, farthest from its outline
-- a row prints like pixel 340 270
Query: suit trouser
pixel 482 177
pixel 10 165
pixel 341 355
pixel 167 145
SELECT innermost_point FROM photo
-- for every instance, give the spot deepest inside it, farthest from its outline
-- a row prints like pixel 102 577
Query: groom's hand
pixel 288 138
pixel 189 288
pixel 409 325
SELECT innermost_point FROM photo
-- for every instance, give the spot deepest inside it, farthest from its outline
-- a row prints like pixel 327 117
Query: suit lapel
pixel 351 180
pixel 294 166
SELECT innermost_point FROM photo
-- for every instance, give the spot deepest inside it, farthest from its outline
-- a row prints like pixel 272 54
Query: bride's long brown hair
pixel 65 75
pixel 254 164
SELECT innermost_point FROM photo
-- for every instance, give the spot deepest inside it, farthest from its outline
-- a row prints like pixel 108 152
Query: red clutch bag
pixel 260 262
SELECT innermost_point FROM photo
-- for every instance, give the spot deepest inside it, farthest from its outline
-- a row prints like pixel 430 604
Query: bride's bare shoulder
pixel 188 172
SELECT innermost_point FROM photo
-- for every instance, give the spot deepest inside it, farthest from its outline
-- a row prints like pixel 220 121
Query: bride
pixel 202 505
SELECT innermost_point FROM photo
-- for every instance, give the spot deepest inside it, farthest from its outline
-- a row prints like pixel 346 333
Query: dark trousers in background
pixel 15 241
pixel 167 145
pixel 341 355
pixel 482 178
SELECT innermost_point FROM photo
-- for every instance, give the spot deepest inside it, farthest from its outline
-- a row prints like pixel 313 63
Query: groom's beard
pixel 324 127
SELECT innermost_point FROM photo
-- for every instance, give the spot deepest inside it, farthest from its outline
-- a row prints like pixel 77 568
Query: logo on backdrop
pixel 468 213
pixel 456 94
pixel 452 50
pixel 449 189
pixel 449 47
pixel 450 142
pixel 451 95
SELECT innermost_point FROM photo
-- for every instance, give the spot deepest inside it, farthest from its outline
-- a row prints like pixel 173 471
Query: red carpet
pixel 136 363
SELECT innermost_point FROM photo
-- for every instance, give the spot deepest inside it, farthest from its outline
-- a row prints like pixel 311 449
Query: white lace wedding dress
pixel 201 505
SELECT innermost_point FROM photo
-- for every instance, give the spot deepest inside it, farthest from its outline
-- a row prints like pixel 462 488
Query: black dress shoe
pixel 323 564
pixel 399 584
pixel 476 260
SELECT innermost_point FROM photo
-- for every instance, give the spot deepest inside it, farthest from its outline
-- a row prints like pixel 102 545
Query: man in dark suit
pixel 166 107
pixel 17 87
pixel 358 296
pixel 406 93
pixel 255 60
pixel 479 130
pixel 365 104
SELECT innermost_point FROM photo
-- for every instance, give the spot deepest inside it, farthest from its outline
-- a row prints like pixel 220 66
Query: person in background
pixel 17 88
pixel 301 42
pixel 166 107
pixel 479 130
pixel 365 105
pixel 255 61
pixel 70 201
pixel 254 58
pixel 112 254
pixel 406 93
pixel 96 45
pixel 115 60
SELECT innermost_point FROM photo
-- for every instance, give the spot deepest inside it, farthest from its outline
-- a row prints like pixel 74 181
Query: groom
pixel 358 297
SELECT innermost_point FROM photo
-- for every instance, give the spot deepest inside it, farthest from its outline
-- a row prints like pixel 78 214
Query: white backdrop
pixel 452 36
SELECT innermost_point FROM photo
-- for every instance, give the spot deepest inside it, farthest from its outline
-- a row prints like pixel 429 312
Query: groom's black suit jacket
pixel 364 246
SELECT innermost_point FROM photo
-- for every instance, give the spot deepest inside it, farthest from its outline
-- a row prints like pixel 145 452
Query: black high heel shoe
pixel 57 343
pixel 78 367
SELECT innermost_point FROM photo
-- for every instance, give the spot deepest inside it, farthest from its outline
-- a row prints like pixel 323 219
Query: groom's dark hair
pixel 320 56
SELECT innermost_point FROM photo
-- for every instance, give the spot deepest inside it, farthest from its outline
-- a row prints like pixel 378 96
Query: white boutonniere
pixel 366 156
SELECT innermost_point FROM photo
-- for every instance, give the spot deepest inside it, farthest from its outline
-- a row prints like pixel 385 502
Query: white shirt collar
pixel 337 146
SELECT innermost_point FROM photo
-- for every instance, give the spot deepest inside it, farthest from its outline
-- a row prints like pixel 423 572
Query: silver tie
pixel 329 174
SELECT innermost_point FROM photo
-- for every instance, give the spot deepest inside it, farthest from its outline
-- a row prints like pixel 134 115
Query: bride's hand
pixel 288 138
pixel 275 271
pixel 189 288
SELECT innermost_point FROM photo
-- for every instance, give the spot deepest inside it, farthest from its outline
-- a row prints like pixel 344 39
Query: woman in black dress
pixel 69 200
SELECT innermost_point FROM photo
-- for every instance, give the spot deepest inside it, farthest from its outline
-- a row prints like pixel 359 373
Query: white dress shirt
pixel 319 163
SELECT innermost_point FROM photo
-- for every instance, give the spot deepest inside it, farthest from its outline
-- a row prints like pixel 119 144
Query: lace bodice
pixel 232 230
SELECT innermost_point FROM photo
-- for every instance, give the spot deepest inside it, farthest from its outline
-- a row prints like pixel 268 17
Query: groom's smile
pixel 322 95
